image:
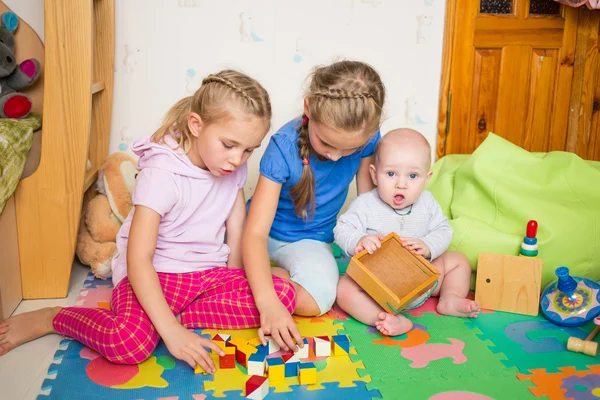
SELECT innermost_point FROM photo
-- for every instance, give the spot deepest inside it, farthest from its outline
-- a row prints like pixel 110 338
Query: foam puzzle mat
pixel 495 356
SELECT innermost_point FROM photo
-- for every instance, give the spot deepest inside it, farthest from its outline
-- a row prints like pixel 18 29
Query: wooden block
pixel 393 276
pixel 341 345
pixel 303 352
pixel 307 373
pixel 322 346
pixel 509 283
pixel 228 360
pixel 275 369
pixel 223 337
pixel 255 342
pixel 291 368
pixel 257 387
pixel 257 364
pixel 242 352
pixel 273 346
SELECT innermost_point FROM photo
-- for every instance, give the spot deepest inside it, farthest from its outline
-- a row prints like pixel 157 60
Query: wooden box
pixel 393 276
pixel 509 283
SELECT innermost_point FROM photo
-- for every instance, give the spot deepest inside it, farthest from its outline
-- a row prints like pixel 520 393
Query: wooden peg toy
pixel 587 346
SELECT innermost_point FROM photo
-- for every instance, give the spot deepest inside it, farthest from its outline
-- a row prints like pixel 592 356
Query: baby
pixel 399 204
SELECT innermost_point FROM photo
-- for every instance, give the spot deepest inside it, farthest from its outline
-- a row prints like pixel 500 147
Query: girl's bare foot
pixel 457 306
pixel 25 327
pixel 393 325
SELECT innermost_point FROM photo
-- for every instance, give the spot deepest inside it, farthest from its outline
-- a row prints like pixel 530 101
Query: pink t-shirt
pixel 193 205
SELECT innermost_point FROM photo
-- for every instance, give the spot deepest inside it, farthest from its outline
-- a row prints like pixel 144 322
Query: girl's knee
pixel 286 292
pixel 131 351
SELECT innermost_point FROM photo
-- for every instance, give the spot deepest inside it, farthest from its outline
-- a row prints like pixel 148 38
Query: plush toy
pixel 14 77
pixel 100 223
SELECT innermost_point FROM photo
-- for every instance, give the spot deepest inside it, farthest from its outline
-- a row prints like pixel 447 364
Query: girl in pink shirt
pixel 176 268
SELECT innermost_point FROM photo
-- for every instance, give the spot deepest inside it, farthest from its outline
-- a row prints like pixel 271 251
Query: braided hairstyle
pixel 214 101
pixel 347 96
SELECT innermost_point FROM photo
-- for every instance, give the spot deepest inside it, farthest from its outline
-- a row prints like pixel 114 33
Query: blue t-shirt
pixel 281 163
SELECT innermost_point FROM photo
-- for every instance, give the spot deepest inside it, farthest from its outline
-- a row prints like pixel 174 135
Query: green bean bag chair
pixel 490 195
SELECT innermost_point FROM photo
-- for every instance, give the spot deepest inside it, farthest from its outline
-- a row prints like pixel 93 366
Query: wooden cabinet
pixel 79 73
pixel 526 70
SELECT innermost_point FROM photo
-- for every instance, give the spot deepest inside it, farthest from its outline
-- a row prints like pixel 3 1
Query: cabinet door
pixel 508 69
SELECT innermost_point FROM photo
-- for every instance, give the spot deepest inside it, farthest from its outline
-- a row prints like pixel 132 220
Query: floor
pixel 23 370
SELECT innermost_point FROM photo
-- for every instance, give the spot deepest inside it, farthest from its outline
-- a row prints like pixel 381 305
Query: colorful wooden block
pixel 255 342
pixel 223 337
pixel 303 352
pixel 509 283
pixel 307 373
pixel 341 345
pixel 257 387
pixel 263 349
pixel 393 276
pixel 257 364
pixel 275 369
pixel 235 342
pixel 242 353
pixel 292 362
pixel 228 360
pixel 322 346
pixel 273 346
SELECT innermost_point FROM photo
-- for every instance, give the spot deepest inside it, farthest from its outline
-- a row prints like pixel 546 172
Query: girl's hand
pixel 417 246
pixel 187 346
pixel 275 320
pixel 369 242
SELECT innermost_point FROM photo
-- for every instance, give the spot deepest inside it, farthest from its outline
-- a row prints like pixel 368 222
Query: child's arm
pixel 352 226
pixel 364 183
pixel 182 343
pixel 275 320
pixel 235 226
pixel 440 232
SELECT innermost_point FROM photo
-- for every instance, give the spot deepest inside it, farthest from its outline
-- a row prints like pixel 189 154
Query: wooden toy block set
pixel 263 365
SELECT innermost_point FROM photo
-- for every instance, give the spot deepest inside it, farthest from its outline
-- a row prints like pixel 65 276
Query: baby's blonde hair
pixel 346 96
pixel 218 96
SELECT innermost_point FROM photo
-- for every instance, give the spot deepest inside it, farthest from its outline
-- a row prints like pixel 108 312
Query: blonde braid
pixel 224 81
pixel 341 94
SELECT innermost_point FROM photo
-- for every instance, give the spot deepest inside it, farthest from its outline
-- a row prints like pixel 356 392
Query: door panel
pixel 508 73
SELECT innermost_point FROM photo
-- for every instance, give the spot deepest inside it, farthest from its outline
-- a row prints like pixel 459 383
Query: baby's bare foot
pixel 393 325
pixel 458 306
pixel 25 327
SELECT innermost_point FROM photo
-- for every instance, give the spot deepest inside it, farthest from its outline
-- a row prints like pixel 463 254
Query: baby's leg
pixel 454 281
pixel 313 271
pixel 26 327
pixel 356 302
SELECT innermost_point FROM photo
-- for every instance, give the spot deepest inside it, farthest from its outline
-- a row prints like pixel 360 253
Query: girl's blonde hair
pixel 217 98
pixel 347 96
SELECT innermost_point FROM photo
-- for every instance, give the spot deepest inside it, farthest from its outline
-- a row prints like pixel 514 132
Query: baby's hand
pixel 369 242
pixel 417 246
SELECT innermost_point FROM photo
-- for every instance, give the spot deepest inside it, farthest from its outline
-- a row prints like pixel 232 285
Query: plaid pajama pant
pixel 218 298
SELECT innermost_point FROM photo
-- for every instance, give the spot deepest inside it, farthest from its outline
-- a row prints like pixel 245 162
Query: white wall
pixel 31 11
pixel 165 47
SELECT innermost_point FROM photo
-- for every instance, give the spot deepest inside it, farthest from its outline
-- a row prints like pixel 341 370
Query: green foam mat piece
pixel 389 370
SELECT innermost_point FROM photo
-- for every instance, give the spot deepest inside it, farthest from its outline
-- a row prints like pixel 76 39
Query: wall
pixel 31 11
pixel 165 47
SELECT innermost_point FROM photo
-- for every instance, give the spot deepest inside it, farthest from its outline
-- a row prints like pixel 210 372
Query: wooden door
pixel 508 68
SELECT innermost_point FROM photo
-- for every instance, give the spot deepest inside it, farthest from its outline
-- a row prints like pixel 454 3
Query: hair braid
pixel 303 193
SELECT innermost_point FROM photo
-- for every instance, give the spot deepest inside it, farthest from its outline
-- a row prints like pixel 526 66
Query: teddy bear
pixel 14 77
pixel 104 214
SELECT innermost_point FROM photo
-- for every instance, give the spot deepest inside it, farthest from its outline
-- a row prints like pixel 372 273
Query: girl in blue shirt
pixel 304 177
